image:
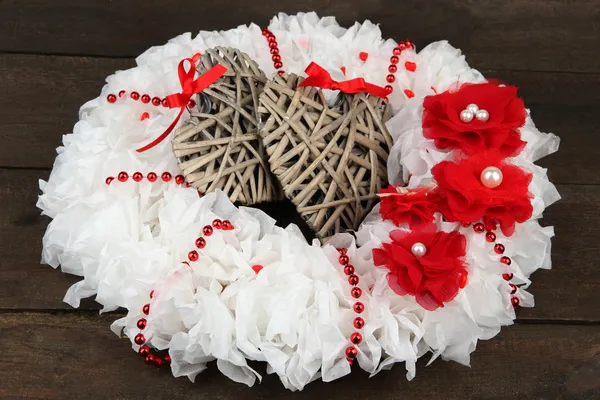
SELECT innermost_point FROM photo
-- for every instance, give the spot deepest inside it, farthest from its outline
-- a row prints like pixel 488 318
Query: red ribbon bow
pixel 319 77
pixel 189 87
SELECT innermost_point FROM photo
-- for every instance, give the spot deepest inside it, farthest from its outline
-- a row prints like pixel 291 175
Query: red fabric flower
pixel 433 278
pixel 464 198
pixel 441 119
pixel 414 207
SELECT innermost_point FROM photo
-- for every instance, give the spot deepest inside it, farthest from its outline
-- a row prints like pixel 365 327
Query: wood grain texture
pixel 568 292
pixel 40 100
pixel 48 69
pixel 564 103
pixel 494 33
pixel 77 357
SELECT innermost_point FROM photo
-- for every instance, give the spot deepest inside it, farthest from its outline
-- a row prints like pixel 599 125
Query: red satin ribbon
pixel 189 87
pixel 319 77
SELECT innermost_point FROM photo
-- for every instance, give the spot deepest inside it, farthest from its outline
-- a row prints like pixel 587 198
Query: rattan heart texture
pixel 330 162
pixel 219 147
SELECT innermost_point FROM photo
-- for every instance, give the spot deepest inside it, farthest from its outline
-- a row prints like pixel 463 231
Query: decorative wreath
pixel 417 173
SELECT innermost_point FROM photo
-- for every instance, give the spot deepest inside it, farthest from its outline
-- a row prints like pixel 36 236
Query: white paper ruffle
pixel 126 239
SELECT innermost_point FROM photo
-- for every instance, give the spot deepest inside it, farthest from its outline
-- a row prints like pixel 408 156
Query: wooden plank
pixel 567 105
pixel 40 101
pixel 563 103
pixel 519 35
pixel 77 357
pixel 568 292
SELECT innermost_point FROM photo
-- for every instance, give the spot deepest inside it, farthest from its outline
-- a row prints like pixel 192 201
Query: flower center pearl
pixel 482 115
pixel 473 111
pixel 473 108
pixel 491 177
pixel 466 116
pixel 418 249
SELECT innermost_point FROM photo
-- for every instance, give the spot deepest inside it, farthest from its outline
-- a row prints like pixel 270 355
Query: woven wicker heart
pixel 331 163
pixel 219 147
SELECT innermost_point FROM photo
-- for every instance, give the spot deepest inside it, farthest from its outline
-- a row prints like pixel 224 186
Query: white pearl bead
pixel 473 108
pixel 491 177
pixel 466 116
pixel 482 115
pixel 418 249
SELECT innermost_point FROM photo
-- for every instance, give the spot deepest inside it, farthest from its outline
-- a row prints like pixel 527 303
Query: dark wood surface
pixel 54 56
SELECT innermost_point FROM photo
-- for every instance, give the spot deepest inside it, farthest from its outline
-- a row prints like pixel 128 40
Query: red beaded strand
pixel 145 98
pixel 274 50
pixel 142 323
pixel 499 248
pixel 393 67
pixel 123 176
pixel 358 307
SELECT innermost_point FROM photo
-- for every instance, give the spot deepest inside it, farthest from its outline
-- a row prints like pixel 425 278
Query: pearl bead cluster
pixel 499 248
pixel 473 111
pixel 393 67
pixel 275 56
pixel 145 98
pixel 358 307
pixel 140 339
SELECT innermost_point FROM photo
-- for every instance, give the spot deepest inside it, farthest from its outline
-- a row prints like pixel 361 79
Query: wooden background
pixel 54 56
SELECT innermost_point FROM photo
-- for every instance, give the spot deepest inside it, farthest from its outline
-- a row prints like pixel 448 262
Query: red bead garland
pixel 359 322
pixel 358 307
pixel 146 98
pixel 227 225
pixel 138 176
pixel 356 338
pixel 144 350
pixel 166 176
pixel 193 255
pixel 393 67
pixel 479 227
pixel 139 339
pixel 349 269
pixel 499 249
pixel 123 176
pixel 200 243
pixel 142 323
pixel 274 49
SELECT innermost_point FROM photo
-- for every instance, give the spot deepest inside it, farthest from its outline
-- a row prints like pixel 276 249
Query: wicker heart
pixel 219 147
pixel 331 163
